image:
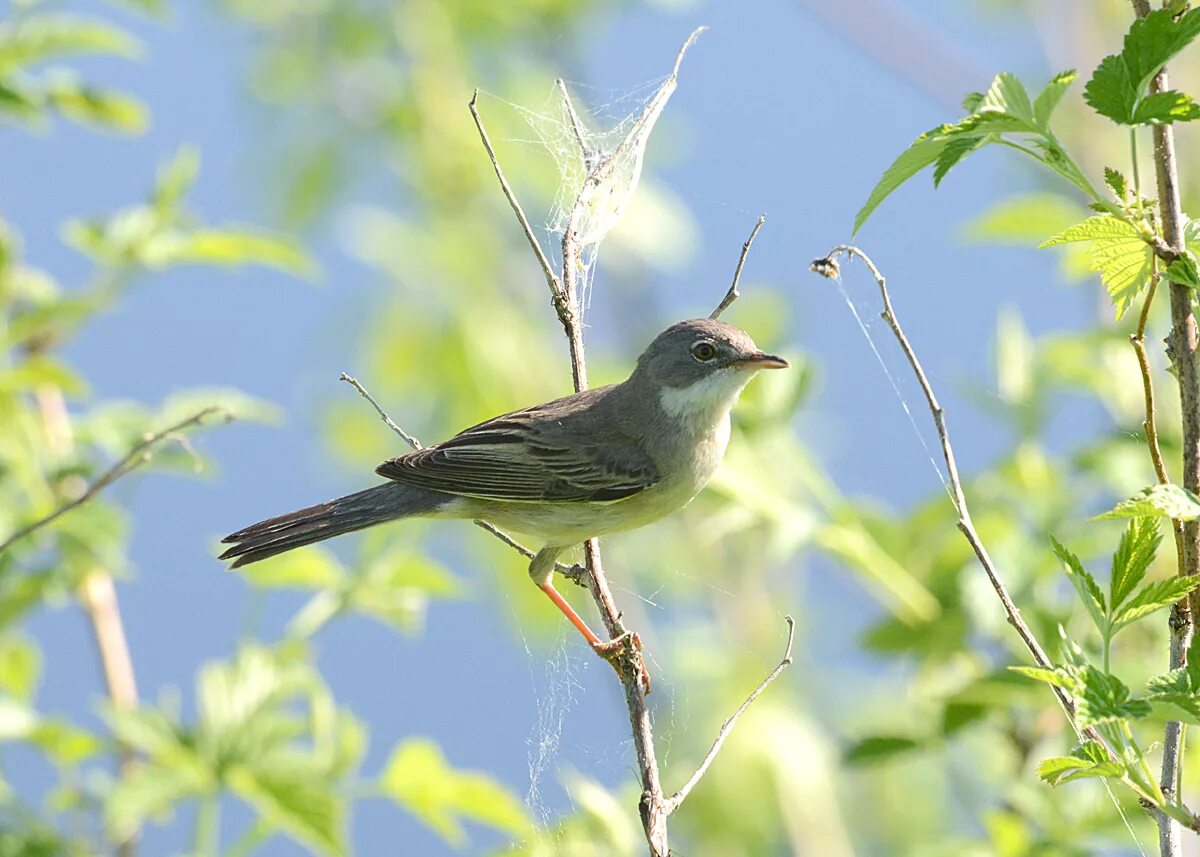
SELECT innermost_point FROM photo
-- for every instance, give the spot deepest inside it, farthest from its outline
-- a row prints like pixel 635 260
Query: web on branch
pixel 599 150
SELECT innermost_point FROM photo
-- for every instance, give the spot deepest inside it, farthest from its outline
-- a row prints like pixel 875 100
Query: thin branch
pixel 586 152
pixel 556 287
pixel 828 267
pixel 674 801
pixel 141 453
pixel 362 391
pixel 416 444
pixel 1150 424
pixel 733 294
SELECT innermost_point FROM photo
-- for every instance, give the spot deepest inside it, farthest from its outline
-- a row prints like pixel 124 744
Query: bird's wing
pixel 540 453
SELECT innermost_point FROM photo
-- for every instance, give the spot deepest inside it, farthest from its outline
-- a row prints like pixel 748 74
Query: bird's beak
pixel 761 360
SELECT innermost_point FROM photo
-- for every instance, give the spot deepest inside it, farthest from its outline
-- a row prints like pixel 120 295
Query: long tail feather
pixel 325 520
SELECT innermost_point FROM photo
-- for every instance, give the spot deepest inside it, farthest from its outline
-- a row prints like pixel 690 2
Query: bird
pixel 600 461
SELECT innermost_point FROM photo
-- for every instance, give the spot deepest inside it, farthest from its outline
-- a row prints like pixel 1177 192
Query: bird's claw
pixel 577 574
pixel 625 653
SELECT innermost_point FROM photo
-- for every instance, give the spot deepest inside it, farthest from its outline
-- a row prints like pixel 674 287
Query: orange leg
pixel 569 611
pixel 541 569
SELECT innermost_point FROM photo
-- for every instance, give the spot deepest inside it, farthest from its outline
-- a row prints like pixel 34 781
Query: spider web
pixel 598 145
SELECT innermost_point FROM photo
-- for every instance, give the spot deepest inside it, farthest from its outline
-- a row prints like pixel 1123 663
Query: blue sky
pixel 779 114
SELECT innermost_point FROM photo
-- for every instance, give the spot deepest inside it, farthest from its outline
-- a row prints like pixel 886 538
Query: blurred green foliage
pixel 815 765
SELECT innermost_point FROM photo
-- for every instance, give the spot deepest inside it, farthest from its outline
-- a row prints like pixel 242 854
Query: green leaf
pixel 1154 597
pixel 878 748
pixel 103 109
pixel 1089 760
pixel 1133 556
pixel 1025 219
pixel 1105 699
pixel 1166 107
pixel 924 151
pixel 230 246
pixel 1184 270
pixel 1119 84
pixel 1118 252
pixel 146 791
pixel 1058 677
pixel 418 778
pixel 955 151
pixel 1163 501
pixel 303 808
pixel 66 744
pixel 1007 95
pixel 1051 95
pixel 175 178
pixel 43 37
pixel 1086 585
pixel 20 667
pixel 1116 183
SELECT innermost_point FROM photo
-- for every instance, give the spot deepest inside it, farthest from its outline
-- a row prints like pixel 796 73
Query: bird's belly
pixel 568 523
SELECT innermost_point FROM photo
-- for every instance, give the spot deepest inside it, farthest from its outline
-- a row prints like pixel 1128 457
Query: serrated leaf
pixel 971 101
pixel 877 749
pixel 1007 95
pixel 1133 556
pixel 1051 95
pixel 1090 760
pixel 1118 253
pixel 1166 107
pixel 1086 585
pixel 955 151
pixel 924 151
pixel 1116 183
pixel 1060 677
pixel 418 778
pixel 1155 596
pixel 1184 270
pixel 1104 699
pixel 1163 501
pixel 1119 83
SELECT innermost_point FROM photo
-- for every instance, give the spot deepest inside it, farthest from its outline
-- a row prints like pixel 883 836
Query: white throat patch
pixel 715 393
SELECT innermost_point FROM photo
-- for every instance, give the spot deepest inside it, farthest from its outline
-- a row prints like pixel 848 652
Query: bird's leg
pixel 541 570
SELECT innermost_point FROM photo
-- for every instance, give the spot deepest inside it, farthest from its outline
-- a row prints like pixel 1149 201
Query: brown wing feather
pixel 528 455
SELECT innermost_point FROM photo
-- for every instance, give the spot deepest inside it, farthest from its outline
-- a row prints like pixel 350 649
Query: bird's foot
pixel 577 574
pixel 625 655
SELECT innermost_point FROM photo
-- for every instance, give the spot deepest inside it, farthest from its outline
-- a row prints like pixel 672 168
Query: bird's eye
pixel 704 351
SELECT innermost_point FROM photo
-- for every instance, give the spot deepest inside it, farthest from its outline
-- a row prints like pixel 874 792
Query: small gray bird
pixel 601 461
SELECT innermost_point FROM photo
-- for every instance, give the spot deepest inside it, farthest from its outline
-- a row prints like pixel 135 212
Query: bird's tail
pixel 325 520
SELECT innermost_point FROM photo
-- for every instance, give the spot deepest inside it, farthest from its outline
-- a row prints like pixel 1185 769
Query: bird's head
pixel 702 364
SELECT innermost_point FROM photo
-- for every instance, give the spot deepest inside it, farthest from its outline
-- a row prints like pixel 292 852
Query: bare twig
pixel 733 294
pixel 362 391
pixel 586 152
pixel 828 267
pixel 556 287
pixel 141 453
pixel 674 801
pixel 416 444
pixel 1150 424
